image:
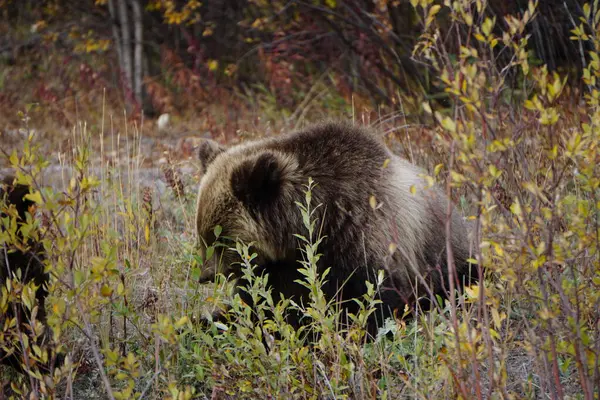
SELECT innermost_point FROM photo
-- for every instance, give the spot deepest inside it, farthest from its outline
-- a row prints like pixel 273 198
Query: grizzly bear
pixel 24 261
pixel 376 213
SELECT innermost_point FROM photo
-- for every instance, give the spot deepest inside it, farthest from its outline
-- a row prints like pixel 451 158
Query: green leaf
pixel 217 231
pixel 196 272
pixel 209 252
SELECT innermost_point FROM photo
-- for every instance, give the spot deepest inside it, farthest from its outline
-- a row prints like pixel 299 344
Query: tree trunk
pixel 115 31
pixel 138 52
pixel 125 44
pixel 130 52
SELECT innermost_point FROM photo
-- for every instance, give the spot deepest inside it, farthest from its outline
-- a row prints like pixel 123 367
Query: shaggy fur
pixel 29 262
pixel 250 191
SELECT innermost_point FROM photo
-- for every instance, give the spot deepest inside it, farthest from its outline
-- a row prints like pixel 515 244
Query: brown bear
pixel 25 260
pixel 376 213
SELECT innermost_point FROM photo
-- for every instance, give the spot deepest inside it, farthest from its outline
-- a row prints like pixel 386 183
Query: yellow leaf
pixel 586 10
pixel 120 376
pixel 28 297
pixel 472 291
pixel 495 172
pixel 147 233
pixel 372 202
pixel 468 19
pixel 456 177
pixel 545 314
pixel 553 154
pixel 516 208
pixel 430 181
pixel 498 318
pixel 14 159
pixel 498 249
pixel 434 10
pixel 432 13
pixel 36 197
pixel 494 334
pixel 487 26
pixel 449 125
pixel 479 37
pixel 182 321
pixel 530 105
pixel 213 65
pixel 106 291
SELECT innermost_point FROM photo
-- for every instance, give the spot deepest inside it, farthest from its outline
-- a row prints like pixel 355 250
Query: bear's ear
pixel 208 151
pixel 259 181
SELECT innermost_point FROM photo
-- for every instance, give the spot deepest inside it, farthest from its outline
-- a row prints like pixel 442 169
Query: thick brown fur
pixel 250 190
pixel 28 260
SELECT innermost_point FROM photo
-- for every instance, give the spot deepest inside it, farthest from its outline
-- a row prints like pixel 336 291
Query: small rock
pixel 163 122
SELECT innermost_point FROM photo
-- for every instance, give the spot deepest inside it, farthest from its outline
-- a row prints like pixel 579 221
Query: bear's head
pixel 248 191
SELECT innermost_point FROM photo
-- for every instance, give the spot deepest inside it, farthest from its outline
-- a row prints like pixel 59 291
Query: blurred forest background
pixel 215 62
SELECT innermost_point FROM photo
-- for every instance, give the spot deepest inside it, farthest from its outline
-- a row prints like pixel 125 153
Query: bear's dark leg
pixel 30 264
